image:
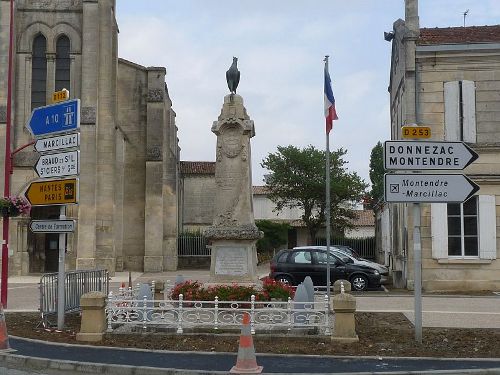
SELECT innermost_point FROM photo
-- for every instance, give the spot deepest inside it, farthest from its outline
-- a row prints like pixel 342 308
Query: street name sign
pixel 58 164
pixel 409 132
pixel 60 142
pixel 52 226
pixel 53 192
pixel 428 188
pixel 56 118
pixel 427 155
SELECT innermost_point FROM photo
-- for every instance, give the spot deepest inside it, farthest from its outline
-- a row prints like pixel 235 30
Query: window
pixel 63 63
pixel 462 228
pixel 467 230
pixel 460 111
pixel 321 257
pixel 301 257
pixel 39 72
pixel 282 257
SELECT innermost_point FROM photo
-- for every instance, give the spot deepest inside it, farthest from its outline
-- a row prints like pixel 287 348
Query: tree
pixel 297 179
pixel 377 174
pixel 275 234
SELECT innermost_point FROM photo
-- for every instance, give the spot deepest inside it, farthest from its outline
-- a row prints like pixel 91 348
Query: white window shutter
pixel 439 230
pixel 487 227
pixel 451 111
pixel 469 111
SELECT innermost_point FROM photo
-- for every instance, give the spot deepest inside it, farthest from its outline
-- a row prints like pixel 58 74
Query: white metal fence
pixel 179 315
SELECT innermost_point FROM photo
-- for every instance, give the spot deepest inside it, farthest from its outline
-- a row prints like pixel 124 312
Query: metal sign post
pixel 417 260
pixel 61 274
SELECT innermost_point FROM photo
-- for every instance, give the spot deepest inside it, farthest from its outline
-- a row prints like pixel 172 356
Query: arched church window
pixel 39 72
pixel 62 63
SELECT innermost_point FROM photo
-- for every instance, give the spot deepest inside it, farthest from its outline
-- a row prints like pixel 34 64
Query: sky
pixel 280 45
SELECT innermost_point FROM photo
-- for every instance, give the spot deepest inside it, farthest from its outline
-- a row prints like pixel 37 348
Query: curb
pixel 61 367
pixel 66 367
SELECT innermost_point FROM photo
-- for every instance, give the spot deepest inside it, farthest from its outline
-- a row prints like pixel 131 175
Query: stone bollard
pixel 93 323
pixel 336 286
pixel 344 306
pixel 159 287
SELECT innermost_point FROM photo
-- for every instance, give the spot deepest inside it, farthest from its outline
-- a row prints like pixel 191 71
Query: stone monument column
pixel 233 233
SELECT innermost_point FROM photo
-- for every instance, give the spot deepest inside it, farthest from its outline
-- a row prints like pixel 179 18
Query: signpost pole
pixel 417 260
pixel 61 274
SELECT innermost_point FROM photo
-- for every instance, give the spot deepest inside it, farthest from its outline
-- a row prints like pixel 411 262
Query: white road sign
pixel 52 226
pixel 59 164
pixel 424 155
pixel 60 142
pixel 428 188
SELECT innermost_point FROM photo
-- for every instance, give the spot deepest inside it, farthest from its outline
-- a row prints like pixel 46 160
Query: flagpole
pixel 327 206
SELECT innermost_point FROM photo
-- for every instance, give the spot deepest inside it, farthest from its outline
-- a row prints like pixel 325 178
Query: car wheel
pixel 284 279
pixel 359 282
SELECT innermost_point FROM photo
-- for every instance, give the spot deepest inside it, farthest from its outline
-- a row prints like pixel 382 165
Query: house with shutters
pixel 447 79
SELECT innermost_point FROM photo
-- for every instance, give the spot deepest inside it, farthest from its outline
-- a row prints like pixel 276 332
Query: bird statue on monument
pixel 233 76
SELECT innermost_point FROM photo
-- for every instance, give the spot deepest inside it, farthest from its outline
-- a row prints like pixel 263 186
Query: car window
pixel 301 257
pixel 321 258
pixel 282 257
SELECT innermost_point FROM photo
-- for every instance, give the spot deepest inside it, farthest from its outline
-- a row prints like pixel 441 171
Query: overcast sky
pixel 280 45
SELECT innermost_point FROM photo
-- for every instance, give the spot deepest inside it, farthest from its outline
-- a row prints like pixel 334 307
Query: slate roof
pixel 459 35
pixel 197 167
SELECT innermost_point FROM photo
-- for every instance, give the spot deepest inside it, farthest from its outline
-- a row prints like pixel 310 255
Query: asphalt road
pixel 438 311
pixel 224 362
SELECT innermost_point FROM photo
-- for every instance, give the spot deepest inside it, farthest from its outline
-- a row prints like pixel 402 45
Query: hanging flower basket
pixel 14 206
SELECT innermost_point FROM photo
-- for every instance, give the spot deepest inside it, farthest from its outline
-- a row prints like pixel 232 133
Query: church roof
pixel 459 35
pixel 197 167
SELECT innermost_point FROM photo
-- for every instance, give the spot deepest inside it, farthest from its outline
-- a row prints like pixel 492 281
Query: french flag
pixel 330 113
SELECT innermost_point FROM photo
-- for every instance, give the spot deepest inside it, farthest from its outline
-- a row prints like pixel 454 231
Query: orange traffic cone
pixel 246 363
pixel 4 338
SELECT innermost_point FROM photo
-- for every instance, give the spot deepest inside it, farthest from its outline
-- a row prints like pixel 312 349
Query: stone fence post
pixel 344 306
pixel 93 323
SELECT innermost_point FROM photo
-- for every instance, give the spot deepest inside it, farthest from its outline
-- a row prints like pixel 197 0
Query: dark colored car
pixel 292 266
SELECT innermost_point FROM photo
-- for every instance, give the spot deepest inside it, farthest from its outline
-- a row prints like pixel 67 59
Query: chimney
pixel 411 16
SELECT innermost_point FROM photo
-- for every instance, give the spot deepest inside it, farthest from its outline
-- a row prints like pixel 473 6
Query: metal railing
pixel 365 247
pixel 76 284
pixel 179 314
pixel 192 245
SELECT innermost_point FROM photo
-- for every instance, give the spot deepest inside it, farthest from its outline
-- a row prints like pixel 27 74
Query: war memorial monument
pixel 233 234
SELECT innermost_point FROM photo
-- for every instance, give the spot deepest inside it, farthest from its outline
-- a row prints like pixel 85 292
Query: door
pixel 337 268
pixel 300 265
pixel 51 252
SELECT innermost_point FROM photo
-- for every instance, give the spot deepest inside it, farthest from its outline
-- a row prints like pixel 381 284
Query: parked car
pixel 293 265
pixel 346 253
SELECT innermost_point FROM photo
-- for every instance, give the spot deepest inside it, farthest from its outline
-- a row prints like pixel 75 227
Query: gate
pixel 365 247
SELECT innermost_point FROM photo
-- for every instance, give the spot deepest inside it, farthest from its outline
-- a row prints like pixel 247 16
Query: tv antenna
pixel 465 15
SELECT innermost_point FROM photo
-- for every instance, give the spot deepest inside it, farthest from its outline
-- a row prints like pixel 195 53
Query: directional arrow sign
pixel 46 193
pixel 420 155
pixel 56 118
pixel 52 226
pixel 57 143
pixel 59 164
pixel 429 188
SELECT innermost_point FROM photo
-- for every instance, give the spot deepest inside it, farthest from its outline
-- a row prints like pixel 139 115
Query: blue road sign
pixel 55 118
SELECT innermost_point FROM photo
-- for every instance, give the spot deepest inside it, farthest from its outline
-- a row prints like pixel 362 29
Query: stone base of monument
pixel 234 261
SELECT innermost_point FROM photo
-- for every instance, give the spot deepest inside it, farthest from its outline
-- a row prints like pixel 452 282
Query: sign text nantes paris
pixel 430 188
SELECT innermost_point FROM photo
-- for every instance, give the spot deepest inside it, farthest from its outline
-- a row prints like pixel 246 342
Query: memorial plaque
pixel 232 261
